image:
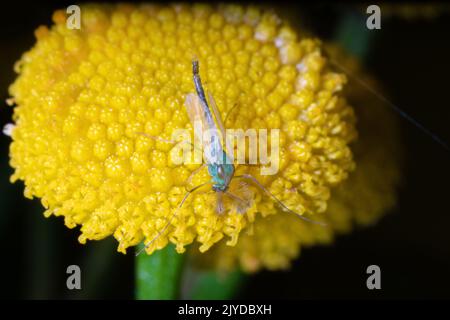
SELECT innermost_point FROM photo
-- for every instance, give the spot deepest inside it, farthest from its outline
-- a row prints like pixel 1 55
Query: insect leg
pixel 172 217
pixel 193 173
pixel 257 183
pixel 220 206
pixel 235 197
pixel 244 204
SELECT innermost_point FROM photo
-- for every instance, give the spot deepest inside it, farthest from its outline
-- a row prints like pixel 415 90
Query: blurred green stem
pixel 158 275
pixel 211 284
pixel 165 275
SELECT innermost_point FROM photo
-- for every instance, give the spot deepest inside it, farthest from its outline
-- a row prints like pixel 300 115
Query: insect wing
pixel 241 197
pixel 220 124
pixel 216 113
pixel 211 141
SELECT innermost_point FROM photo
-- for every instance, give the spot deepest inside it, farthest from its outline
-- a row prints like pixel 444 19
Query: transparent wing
pixel 205 131
pixel 240 196
pixel 220 124
pixel 216 113
pixel 195 113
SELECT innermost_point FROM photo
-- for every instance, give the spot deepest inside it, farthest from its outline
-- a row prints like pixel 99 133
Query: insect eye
pixel 220 171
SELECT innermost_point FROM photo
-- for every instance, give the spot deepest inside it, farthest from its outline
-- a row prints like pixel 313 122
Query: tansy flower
pixel 82 97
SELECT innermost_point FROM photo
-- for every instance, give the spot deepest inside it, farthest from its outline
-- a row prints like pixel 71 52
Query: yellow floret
pixel 83 96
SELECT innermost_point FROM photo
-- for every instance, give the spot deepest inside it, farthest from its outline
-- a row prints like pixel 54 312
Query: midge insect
pixel 220 164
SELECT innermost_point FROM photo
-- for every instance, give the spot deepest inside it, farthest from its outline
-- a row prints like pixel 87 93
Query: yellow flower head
pixel 83 96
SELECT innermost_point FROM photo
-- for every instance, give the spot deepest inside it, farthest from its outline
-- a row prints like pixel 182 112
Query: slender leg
pixel 244 204
pixel 220 207
pixel 235 197
pixel 193 173
pixel 257 183
pixel 172 217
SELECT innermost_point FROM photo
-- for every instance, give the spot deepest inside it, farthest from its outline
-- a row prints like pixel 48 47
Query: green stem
pixel 158 275
pixel 211 285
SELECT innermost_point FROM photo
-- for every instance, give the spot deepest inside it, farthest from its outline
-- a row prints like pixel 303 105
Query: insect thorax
pixel 221 175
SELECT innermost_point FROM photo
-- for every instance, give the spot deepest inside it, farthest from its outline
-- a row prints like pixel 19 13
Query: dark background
pixel 411 244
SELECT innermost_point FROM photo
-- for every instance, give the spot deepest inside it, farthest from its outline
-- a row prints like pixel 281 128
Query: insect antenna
pixel 172 217
pixel 254 180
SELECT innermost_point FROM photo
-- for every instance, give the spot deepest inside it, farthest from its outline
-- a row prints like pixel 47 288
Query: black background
pixel 411 244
